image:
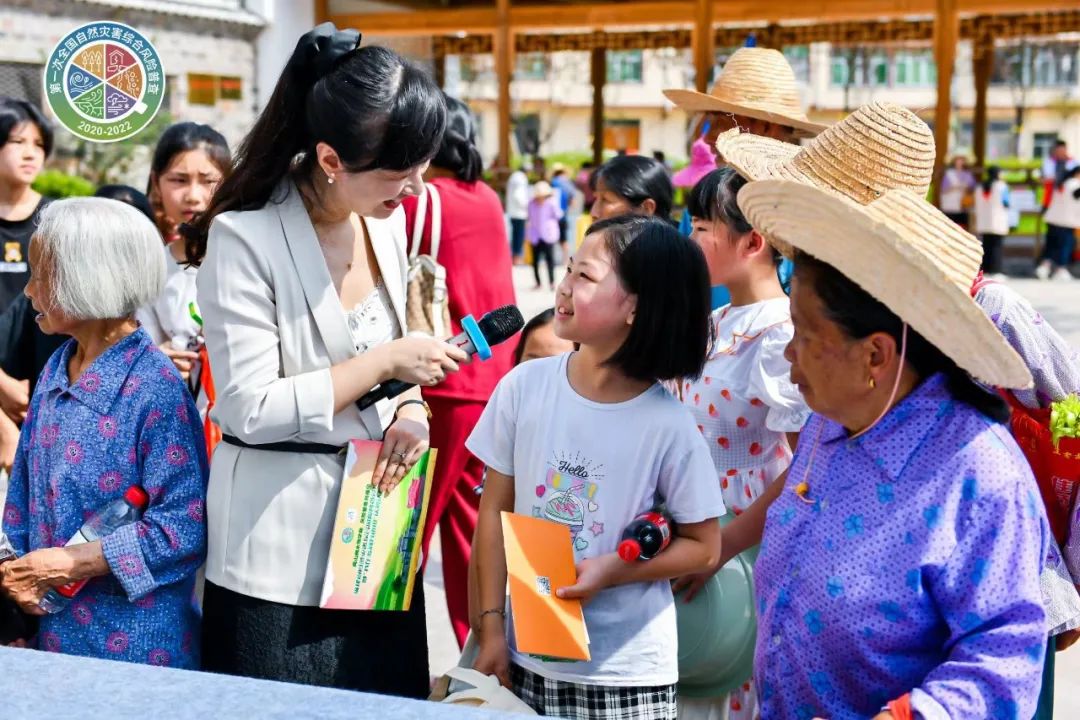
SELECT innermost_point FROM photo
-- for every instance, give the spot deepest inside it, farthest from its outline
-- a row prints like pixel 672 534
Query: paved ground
pixel 1058 302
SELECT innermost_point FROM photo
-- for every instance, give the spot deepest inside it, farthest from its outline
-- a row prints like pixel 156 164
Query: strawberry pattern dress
pixel 743 404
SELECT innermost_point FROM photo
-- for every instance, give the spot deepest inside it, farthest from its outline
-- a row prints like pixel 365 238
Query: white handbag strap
pixel 418 225
pixel 436 221
pixel 430 191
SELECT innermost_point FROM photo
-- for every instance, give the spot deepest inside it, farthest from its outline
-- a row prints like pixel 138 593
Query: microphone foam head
pixel 501 324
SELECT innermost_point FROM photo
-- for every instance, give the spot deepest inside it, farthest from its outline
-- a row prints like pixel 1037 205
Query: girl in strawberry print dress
pixel 744 403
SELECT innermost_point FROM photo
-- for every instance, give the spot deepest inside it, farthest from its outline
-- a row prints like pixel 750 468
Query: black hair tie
pixel 321 49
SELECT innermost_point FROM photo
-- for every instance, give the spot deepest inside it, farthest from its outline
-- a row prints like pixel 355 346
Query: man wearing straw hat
pixel 900 577
pixel 883 146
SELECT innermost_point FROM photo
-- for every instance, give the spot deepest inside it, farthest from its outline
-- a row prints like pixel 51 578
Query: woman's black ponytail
pixel 374 108
pixel 458 152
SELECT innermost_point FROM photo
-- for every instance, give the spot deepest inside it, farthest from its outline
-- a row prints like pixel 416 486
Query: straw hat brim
pixel 693 101
pixel 761 158
pixel 883 261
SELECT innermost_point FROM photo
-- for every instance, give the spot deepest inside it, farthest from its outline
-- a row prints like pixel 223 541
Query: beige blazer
pixel 274 327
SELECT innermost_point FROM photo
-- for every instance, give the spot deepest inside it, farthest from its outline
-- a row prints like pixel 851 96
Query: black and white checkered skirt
pixel 558 699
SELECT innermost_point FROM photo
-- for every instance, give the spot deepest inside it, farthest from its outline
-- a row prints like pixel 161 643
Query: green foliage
pixel 56 184
pixel 1065 418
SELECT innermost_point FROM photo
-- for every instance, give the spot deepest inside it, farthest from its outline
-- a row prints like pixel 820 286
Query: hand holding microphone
pixel 425 361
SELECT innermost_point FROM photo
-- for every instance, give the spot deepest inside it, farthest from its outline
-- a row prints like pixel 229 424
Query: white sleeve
pixel 492 440
pixel 770 382
pixel 236 297
pixel 687 482
pixel 147 317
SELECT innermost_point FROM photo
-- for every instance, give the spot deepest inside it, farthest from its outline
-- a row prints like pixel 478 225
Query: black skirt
pixel 372 651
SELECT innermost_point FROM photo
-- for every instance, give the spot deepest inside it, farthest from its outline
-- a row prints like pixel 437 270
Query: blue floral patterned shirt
pixel 129 420
pixel 914 568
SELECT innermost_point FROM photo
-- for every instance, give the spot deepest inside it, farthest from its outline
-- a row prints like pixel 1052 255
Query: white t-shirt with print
pixel 594 467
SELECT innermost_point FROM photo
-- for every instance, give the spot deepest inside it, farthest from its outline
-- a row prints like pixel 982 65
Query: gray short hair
pixel 106 259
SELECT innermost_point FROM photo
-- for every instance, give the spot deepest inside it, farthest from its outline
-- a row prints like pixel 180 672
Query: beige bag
pixel 427 307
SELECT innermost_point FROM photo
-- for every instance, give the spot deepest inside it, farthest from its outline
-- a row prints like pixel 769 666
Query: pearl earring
pixel 330 179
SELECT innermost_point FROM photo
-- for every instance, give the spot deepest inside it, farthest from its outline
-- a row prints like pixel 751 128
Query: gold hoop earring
pixel 872 383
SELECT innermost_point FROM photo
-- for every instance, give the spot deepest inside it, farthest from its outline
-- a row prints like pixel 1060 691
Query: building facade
pixel 1034 95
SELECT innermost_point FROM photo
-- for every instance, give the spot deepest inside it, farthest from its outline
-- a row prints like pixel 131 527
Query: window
pixel 1000 139
pixel 1043 143
pixel 532 66
pixel 914 68
pixel 475 68
pixel 201 89
pixel 878 68
pixel 1043 65
pixel 622 135
pixel 883 67
pixel 840 69
pixel 798 56
pixel 208 89
pixel 624 66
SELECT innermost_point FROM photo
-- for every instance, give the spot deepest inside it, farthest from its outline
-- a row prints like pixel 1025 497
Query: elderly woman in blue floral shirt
pixel 109 412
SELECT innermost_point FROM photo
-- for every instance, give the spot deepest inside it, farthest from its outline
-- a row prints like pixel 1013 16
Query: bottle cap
pixel 137 497
pixel 629 550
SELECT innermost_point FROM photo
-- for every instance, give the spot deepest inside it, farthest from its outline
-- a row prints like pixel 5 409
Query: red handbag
pixel 1056 467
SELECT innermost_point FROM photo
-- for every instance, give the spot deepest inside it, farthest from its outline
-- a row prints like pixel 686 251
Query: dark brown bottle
pixel 645 537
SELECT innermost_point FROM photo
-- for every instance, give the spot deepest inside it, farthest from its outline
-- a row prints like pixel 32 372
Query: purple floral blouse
pixel 129 420
pixel 913 568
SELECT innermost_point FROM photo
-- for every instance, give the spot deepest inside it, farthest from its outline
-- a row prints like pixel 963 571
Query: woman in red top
pixel 475 251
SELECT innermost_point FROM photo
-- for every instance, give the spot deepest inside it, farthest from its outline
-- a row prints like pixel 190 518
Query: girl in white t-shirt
pixel 189 162
pixel 745 404
pixel 992 219
pixel 590 439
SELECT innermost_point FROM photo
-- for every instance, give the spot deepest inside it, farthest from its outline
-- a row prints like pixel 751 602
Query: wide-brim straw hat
pixel 897 251
pixel 542 189
pixel 756 83
pixel 879 147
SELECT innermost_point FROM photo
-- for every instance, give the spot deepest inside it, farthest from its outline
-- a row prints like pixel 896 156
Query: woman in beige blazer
pixel 302 289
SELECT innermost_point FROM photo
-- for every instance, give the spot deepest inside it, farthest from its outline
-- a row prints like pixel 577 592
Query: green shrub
pixel 56 184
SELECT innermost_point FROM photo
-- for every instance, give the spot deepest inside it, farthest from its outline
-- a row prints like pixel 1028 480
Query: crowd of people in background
pixel 208 340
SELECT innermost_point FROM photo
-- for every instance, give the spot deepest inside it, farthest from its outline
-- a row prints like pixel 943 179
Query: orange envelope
pixel 539 561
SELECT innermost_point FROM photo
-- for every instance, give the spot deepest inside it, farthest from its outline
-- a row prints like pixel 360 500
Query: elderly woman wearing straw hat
pixel 899 575
pixel 756 93
pixel 902 149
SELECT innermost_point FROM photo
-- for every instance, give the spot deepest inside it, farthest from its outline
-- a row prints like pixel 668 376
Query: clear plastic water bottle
pixel 119 512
